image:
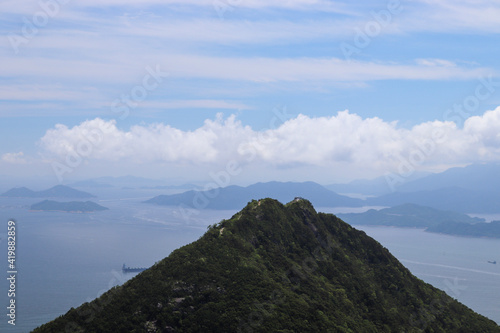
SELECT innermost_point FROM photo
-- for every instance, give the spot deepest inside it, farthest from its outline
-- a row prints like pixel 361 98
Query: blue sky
pixel 290 90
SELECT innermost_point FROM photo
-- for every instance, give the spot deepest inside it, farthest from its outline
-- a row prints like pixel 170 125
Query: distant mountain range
pixel 233 197
pixel 471 189
pixel 236 197
pixel 371 187
pixel 130 182
pixel 171 187
pixel 475 177
pixel 91 184
pixel 71 207
pixel 450 198
pixel 59 191
pixel 120 182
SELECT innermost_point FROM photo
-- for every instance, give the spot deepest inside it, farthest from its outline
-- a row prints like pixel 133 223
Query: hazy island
pixel 59 191
pixel 433 220
pixel 70 207
pixel 407 215
pixel 491 230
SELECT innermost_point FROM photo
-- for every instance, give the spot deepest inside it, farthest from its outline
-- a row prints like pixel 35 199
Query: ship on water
pixel 126 269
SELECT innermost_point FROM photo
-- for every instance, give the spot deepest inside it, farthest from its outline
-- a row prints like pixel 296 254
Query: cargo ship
pixel 126 269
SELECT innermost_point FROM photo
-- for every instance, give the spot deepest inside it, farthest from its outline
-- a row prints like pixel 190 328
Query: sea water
pixel 66 259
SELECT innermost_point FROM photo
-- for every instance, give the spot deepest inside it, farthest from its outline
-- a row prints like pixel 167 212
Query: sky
pixel 241 91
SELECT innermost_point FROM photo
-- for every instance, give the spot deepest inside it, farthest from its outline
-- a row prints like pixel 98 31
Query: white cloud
pixel 453 16
pixel 344 139
pixel 101 139
pixel 72 55
pixel 484 131
pixel 14 158
pixel 245 69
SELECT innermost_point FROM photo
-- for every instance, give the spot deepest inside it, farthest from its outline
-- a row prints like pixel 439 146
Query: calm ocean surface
pixel 66 259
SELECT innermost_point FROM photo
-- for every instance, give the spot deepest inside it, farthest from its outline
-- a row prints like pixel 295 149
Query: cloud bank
pixel 344 139
pixel 14 158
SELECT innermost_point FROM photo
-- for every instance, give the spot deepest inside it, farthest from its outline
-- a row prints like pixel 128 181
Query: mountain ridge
pixel 474 177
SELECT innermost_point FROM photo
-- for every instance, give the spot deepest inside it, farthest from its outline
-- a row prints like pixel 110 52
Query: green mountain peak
pixel 275 268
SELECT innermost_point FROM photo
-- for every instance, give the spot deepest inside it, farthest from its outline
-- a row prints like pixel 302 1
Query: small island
pixel 430 219
pixel 408 215
pixel 69 207
pixel 490 230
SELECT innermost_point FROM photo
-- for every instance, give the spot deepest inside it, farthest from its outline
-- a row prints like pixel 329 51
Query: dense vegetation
pixel 72 206
pixel 407 215
pixel 275 268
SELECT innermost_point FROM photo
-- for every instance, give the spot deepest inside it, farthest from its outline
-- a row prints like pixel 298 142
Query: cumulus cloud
pixel 100 139
pixel 14 158
pixel 343 139
pixel 484 132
